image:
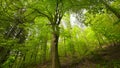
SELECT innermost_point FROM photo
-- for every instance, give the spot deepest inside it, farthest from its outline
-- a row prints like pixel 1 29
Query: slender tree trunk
pixel 65 48
pixel 44 50
pixel 4 55
pixel 54 48
pixel 98 39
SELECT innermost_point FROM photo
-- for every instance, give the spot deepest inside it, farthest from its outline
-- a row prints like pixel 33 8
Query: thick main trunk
pixel 54 50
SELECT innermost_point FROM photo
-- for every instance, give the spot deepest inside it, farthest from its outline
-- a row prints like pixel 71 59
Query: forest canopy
pixel 52 33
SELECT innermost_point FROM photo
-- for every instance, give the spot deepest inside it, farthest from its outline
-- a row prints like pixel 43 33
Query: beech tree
pixel 21 26
pixel 54 11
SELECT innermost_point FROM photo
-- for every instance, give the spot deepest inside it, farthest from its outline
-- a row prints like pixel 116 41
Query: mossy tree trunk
pixel 54 47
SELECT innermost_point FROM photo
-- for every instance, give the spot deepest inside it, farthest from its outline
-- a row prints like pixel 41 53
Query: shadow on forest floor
pixel 107 57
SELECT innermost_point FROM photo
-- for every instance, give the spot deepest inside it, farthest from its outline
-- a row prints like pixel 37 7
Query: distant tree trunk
pixel 35 53
pixel 44 50
pixel 54 47
pixel 98 39
pixel 65 48
pixel 4 53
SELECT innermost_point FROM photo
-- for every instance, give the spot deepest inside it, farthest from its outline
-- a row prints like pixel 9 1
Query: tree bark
pixel 54 48
pixel 4 53
pixel 44 50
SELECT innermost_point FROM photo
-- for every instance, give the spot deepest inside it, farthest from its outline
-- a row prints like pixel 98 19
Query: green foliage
pixel 9 62
pixel 104 24
pixel 26 28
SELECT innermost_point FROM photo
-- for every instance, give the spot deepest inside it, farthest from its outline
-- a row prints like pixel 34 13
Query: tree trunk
pixel 54 48
pixel 4 53
pixel 44 50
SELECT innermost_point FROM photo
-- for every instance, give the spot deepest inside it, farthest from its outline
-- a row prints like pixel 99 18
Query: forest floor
pixel 107 57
